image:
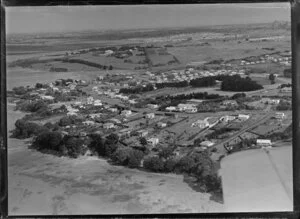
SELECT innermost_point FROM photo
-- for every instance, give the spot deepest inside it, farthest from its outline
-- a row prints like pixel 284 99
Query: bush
pixel 135 158
pixel 24 129
pixel 154 164
pixel 236 83
pixel 185 164
pixel 32 106
pixel 48 140
pixel 97 144
pixel 68 120
pixel 166 152
pixel 74 146
pixel 170 165
pixel 19 90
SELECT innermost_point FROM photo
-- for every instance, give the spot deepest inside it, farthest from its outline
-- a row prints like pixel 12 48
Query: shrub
pixel 97 144
pixel 74 146
pixel 68 120
pixel 48 140
pixel 170 165
pixel 154 164
pixel 166 152
pixel 135 158
pixel 121 155
pixel 24 129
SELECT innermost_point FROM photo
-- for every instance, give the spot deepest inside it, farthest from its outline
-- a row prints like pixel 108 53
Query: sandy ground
pixel 45 184
pixel 258 181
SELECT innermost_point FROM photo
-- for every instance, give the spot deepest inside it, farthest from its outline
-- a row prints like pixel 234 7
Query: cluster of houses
pixel 268 58
pixel 183 107
pixel 190 74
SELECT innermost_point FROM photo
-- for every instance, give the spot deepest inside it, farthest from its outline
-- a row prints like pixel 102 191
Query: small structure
pixel 279 115
pixel 161 124
pixel 142 133
pixel 97 103
pixel 108 125
pixel 264 143
pixel 201 124
pixel 150 116
pixel 153 141
pixel 206 144
pixel 126 113
pixel 46 97
pixel 243 117
pixel 227 118
pixel 88 122
pixel 90 100
pixel 152 106
pixel 171 108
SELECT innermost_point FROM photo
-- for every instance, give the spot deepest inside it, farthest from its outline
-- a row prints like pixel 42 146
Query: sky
pixel 114 17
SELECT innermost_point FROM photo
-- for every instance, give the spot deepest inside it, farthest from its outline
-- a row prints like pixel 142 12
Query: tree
pixel 170 164
pixel 272 78
pixel 143 141
pixel 97 144
pixel 110 67
pixel 166 152
pixel 121 155
pixel 74 146
pixel 154 164
pixel 135 158
pixel 48 140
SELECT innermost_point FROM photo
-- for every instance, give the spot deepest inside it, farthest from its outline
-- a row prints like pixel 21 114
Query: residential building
pixel 108 125
pixel 171 108
pixel 227 118
pixel 142 133
pixel 279 115
pixel 90 100
pixel 150 116
pixel 126 113
pixel 243 117
pixel 161 124
pixel 201 124
pixel 206 144
pixel 97 103
pixel 153 141
pixel 152 106
pixel 264 142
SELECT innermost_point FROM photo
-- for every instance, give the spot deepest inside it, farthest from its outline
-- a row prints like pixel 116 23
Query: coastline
pixel 46 184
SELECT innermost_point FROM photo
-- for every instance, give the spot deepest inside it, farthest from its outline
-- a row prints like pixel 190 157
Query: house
pixel 227 118
pixel 161 124
pixel 153 141
pixel 132 101
pixel 95 115
pixel 264 143
pixel 46 97
pixel 171 108
pixel 191 110
pixel 183 107
pixel 279 115
pixel 201 124
pixel 152 106
pixel 206 144
pixel 150 116
pixel 126 113
pixel 243 117
pixel 88 122
pixel 229 103
pixel 97 103
pixel 100 78
pixel 117 121
pixel 108 125
pixel 113 110
pixel 90 100
pixel 142 133
pixel 269 101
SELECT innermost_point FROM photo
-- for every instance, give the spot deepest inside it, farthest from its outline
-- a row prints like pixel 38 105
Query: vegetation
pixel 236 83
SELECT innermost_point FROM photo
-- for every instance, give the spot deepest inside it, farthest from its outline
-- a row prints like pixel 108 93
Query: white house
pixel 108 125
pixel 152 106
pixel 150 116
pixel 243 117
pixel 142 133
pixel 161 124
pixel 264 142
pixel 171 108
pixel 90 100
pixel 201 124
pixel 47 97
pixel 88 122
pixel 279 115
pixel 227 118
pixel 113 110
pixel 153 141
pixel 206 144
pixel 126 113
pixel 97 103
